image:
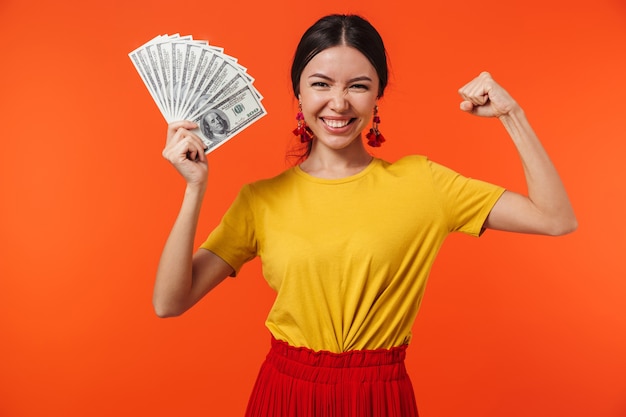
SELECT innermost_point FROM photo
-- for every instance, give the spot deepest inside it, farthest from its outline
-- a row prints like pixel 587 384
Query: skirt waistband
pixel 329 367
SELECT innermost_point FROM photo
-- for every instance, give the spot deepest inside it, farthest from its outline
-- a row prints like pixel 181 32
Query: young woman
pixel 347 240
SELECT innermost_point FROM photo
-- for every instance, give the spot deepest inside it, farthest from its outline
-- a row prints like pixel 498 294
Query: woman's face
pixel 338 91
pixel 216 123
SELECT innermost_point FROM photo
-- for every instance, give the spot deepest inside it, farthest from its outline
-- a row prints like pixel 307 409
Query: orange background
pixel 511 325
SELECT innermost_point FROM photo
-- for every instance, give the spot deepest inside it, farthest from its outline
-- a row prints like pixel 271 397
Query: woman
pixel 347 240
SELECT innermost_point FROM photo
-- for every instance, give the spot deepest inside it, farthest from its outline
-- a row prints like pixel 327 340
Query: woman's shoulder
pixel 411 160
pixel 273 182
pixel 407 164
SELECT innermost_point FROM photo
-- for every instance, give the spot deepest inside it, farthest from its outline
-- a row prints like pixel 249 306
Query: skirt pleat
pixel 299 382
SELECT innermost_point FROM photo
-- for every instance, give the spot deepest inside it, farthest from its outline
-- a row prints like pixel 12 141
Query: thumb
pixel 187 124
pixel 466 106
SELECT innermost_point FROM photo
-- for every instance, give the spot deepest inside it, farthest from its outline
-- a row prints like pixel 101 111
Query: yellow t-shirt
pixel 349 258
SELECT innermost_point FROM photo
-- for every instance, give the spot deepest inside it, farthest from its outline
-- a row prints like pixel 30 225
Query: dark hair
pixel 335 30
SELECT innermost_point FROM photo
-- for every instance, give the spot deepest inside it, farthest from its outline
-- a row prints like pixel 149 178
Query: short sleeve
pixel 234 239
pixel 465 201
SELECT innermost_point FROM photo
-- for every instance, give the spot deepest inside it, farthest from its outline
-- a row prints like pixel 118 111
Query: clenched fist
pixel 486 98
pixel 185 150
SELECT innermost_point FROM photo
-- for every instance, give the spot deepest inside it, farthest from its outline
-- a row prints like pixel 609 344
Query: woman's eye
pixel 359 87
pixel 319 84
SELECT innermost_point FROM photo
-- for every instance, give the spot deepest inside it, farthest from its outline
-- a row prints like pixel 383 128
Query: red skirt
pixel 305 383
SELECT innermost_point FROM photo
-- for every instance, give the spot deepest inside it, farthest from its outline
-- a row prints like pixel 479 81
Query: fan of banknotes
pixel 192 80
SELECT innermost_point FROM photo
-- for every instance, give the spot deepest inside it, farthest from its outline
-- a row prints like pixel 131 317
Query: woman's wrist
pixel 514 115
pixel 195 189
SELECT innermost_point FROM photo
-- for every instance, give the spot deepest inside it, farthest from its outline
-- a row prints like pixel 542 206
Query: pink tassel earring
pixel 305 132
pixel 374 137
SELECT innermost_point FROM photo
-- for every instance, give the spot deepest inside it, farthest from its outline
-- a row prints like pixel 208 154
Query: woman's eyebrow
pixel 326 77
pixel 322 76
pixel 361 78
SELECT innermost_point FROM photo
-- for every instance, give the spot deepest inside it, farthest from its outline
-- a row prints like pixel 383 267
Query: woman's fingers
pixel 185 124
pixel 484 97
pixel 182 142
pixel 176 130
pixel 184 145
pixel 186 152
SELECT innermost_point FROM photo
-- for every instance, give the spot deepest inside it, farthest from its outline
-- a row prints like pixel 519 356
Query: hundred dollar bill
pixel 205 63
pixel 219 122
pixel 141 60
pixel 220 81
pixel 179 51
pixel 162 59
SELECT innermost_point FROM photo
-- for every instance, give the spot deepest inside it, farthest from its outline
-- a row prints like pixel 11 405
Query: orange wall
pixel 511 325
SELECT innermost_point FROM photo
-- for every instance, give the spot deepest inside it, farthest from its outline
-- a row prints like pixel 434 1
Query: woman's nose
pixel 339 100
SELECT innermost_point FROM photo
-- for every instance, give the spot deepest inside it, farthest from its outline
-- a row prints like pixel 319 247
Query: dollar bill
pixel 219 122
pixel 191 79
pixel 141 61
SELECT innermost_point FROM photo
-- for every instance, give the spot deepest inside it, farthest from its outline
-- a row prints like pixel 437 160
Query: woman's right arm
pixel 183 277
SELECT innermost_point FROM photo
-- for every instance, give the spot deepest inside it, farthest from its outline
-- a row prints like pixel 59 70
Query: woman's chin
pixel 339 143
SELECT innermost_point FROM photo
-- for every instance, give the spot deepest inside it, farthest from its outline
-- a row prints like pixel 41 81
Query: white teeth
pixel 336 123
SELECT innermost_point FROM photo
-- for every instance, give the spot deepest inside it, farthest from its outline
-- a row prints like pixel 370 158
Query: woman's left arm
pixel 547 209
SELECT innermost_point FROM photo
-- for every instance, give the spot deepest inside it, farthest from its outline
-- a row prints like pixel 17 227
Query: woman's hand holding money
pixel 183 278
pixel 185 150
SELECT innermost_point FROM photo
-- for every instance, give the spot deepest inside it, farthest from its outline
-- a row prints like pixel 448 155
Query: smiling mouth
pixel 337 123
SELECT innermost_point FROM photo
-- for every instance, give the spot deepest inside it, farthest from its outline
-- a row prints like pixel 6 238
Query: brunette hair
pixel 335 30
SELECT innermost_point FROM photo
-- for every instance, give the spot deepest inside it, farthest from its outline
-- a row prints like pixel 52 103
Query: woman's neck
pixel 334 164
